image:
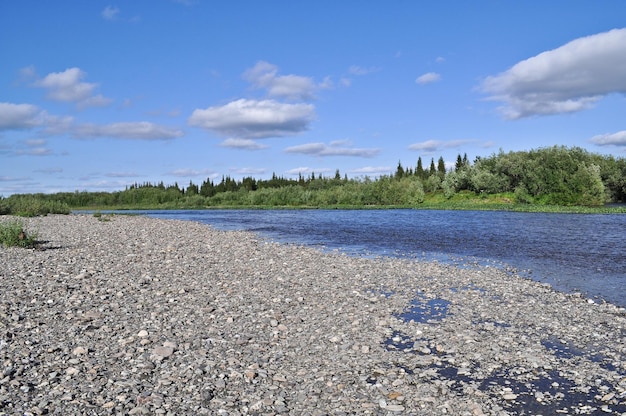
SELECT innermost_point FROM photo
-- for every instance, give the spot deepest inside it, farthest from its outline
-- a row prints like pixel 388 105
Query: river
pixel 571 252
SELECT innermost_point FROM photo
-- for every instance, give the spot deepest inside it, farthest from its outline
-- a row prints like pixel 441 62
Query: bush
pixel 12 234
pixel 32 206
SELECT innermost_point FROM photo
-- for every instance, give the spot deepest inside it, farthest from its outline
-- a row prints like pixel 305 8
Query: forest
pixel 552 176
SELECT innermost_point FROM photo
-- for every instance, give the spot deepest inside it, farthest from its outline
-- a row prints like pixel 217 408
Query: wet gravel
pixel 132 315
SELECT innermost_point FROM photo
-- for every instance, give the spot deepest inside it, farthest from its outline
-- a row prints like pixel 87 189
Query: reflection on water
pixel 572 252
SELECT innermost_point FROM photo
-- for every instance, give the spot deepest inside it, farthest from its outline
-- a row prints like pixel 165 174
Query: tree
pixel 192 189
pixel 441 168
pixel 419 170
pixel 433 170
pixel 207 188
pixel 399 171
pixel 459 163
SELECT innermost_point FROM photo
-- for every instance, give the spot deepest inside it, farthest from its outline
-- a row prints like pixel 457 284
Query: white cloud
pixel 254 119
pixel 295 87
pixel 20 116
pixel 248 144
pixel 427 146
pixel 428 78
pixel 67 86
pixel 333 149
pixel 110 12
pixel 430 146
pixel 613 139
pixel 567 79
pixel 141 130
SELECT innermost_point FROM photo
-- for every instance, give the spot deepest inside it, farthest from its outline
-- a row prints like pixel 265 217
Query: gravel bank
pixel 144 316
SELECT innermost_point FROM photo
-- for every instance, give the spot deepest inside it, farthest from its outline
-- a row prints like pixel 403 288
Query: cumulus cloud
pixel 141 130
pixel 428 78
pixel 247 144
pixel 332 149
pixel 567 79
pixel 612 139
pixel 67 86
pixel 254 119
pixel 294 87
pixel 110 12
pixel 20 116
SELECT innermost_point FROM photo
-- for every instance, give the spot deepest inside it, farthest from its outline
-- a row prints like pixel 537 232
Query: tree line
pixel 547 176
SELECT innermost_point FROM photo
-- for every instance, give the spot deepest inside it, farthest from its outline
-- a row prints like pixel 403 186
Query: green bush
pixel 29 205
pixel 12 234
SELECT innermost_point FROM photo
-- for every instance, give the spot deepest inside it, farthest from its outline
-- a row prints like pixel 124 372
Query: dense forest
pixel 548 176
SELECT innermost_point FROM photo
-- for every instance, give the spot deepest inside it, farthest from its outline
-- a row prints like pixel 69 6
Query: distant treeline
pixel 547 176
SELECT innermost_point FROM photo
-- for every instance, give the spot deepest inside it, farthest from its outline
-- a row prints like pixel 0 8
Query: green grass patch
pixel 13 234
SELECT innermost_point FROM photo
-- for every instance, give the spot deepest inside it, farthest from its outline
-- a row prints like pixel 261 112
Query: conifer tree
pixel 419 170
pixel 459 162
pixel 441 167
pixel 399 171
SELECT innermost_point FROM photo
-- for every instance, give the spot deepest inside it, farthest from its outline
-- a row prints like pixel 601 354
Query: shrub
pixel 12 234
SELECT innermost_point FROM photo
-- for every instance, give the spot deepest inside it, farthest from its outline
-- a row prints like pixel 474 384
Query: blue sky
pixel 97 95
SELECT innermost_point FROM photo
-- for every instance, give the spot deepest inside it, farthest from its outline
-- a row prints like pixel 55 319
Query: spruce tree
pixel 441 167
pixel 419 170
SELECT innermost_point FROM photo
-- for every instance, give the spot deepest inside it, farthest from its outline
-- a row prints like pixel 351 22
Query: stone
pixel 79 351
pixel 163 351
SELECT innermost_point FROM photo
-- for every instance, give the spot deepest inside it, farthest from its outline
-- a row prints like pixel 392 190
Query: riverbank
pixel 145 316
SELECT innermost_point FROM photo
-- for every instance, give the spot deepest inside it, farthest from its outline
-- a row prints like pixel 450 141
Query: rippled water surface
pixel 572 252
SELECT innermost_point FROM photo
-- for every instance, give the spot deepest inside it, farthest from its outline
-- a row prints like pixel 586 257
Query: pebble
pixel 147 316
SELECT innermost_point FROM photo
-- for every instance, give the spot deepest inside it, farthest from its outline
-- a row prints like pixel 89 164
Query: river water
pixel 571 252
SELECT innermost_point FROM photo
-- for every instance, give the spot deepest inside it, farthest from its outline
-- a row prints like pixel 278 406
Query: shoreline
pixel 145 316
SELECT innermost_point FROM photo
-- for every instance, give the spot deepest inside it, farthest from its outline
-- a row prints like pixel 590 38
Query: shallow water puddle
pixel 424 310
pixel 567 350
pixel 536 393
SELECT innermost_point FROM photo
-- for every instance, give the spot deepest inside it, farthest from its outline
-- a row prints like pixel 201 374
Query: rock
pixel 394 408
pixel 163 352
pixel 79 351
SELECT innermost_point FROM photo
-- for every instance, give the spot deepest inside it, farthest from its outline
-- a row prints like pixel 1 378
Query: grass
pixel 12 234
